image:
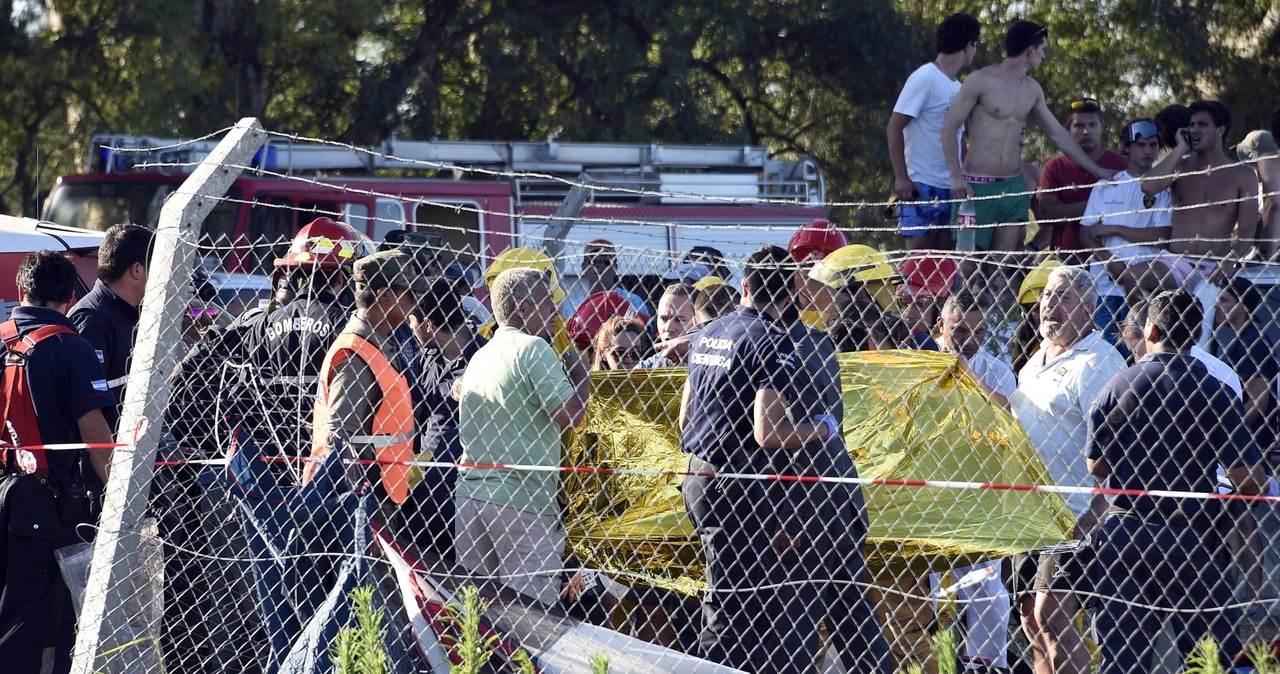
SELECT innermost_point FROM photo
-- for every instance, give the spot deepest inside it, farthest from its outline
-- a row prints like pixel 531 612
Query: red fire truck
pixel 654 201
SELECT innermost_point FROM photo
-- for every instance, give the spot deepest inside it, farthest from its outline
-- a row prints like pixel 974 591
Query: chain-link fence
pixel 615 456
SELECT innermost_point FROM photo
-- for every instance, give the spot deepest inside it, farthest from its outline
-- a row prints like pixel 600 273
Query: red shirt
pixel 1061 171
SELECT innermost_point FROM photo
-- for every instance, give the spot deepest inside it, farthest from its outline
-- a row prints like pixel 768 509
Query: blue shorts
pixel 921 219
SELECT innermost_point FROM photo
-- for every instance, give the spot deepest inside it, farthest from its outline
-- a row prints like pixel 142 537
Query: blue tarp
pixel 310 547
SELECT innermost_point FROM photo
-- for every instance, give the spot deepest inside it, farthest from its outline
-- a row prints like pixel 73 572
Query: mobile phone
pixel 1186 136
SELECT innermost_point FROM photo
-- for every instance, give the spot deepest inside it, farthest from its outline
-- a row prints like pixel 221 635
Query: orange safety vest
pixel 392 431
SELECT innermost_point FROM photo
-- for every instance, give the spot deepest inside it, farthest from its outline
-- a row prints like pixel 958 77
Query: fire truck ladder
pixel 653 172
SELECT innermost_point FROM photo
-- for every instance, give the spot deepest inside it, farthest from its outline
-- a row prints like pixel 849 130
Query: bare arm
pixel 1257 400
pixel 966 99
pixel 1246 212
pixel 774 430
pixel 1090 237
pixel 1062 138
pixel 94 430
pixel 571 411
pixel 903 188
pixel 1164 173
pixel 1052 207
pixel 1138 234
pixel 1098 468
pixel 1249 480
pixel 684 406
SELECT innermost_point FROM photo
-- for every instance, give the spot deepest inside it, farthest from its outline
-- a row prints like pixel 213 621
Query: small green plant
pixel 522 662
pixel 599 663
pixel 1205 658
pixel 471 648
pixel 946 649
pixel 1263 659
pixel 914 668
pixel 361 649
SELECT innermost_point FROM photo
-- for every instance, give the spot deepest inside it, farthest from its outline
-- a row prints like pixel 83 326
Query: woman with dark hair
pixel 620 344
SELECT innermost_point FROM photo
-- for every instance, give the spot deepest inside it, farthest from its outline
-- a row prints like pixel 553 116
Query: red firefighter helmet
pixel 925 275
pixel 819 238
pixel 327 244
pixel 595 310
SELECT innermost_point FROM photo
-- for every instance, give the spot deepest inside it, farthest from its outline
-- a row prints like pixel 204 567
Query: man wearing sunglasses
pixel 993 105
pixel 1065 185
pixel 1125 228
pixel 1215 201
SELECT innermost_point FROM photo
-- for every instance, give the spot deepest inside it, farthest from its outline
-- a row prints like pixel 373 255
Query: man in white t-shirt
pixel 1125 228
pixel 1056 388
pixel 919 169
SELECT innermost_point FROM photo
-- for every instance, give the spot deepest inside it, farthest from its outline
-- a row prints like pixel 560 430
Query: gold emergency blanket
pixel 909 415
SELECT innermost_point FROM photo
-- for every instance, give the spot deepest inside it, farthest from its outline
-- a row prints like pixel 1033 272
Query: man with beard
pixel 1056 388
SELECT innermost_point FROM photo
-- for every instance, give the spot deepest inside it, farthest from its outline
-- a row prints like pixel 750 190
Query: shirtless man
pixel 994 104
pixel 1215 200
pixel 1259 150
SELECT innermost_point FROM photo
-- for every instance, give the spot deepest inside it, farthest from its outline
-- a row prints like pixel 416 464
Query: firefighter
pixel 815 241
pixel 364 399
pixel 531 258
pixel 853 272
pixel 284 349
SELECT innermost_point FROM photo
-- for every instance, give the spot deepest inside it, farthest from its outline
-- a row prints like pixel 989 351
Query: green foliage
pixel 1263 659
pixel 802 78
pixel 599 663
pixel 1205 659
pixel 946 649
pixel 360 649
pixel 471 647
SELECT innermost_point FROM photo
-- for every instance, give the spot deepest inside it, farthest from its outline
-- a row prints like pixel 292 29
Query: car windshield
pixel 100 205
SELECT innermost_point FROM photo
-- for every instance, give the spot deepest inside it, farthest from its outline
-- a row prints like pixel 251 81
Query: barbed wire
pixel 613 189
pixel 686 228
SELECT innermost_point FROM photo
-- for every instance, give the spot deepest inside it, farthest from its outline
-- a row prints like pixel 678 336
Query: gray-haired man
pixel 1056 388
pixel 514 400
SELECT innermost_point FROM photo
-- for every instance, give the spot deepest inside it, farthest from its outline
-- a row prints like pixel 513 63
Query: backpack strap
pixel 31 339
pixel 9 332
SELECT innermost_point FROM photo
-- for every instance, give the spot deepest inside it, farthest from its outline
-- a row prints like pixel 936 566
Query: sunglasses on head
pixel 1143 128
pixel 1086 103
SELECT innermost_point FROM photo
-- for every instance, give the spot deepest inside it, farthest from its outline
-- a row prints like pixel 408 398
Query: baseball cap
pixel 1256 145
pixel 387 268
pixel 687 272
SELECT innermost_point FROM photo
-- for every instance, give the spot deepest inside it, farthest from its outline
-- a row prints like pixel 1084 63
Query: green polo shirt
pixel 505 401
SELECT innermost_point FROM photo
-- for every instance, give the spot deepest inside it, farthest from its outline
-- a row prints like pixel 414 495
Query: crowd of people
pixel 1107 308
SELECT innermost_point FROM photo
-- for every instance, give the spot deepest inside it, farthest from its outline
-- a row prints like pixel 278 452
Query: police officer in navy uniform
pixel 734 419
pixel 42 501
pixel 283 349
pixel 1166 423
pixel 108 316
pixel 823 525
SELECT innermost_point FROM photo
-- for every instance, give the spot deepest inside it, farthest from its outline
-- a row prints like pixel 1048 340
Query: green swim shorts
pixel 1011 203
